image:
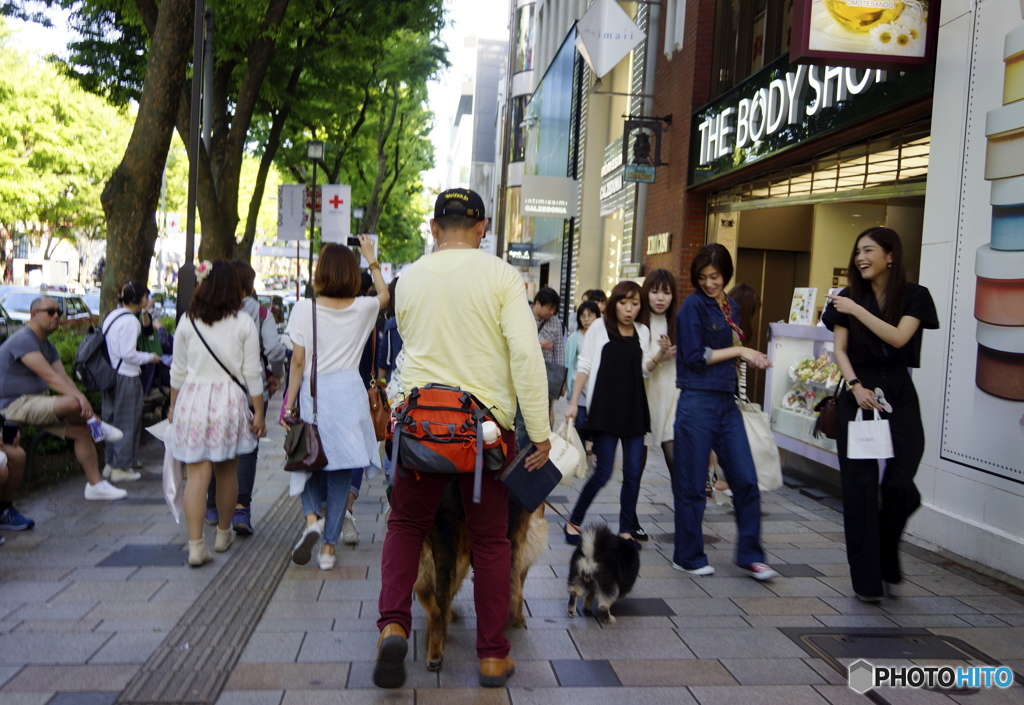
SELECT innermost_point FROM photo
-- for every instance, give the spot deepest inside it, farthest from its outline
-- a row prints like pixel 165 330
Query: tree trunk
pixel 130 196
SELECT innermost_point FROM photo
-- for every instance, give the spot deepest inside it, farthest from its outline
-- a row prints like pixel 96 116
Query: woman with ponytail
pixel 122 403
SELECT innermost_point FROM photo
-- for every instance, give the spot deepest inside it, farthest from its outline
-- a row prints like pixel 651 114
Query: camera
pixel 353 241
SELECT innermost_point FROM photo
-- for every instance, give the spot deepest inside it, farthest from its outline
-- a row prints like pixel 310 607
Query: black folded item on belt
pixel 530 487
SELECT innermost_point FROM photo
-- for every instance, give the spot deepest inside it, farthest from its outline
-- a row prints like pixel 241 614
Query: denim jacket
pixel 701 328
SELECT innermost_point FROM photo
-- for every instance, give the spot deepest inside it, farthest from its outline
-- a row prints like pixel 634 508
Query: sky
pixel 486 19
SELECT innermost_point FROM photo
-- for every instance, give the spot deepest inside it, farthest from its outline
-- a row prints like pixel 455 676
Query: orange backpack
pixel 438 429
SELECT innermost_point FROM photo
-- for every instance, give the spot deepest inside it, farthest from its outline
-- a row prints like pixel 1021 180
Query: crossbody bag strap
pixel 373 353
pixel 312 374
pixel 223 366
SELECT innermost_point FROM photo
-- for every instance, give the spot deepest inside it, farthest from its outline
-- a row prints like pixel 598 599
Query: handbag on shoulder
pixel 302 442
pixel 380 410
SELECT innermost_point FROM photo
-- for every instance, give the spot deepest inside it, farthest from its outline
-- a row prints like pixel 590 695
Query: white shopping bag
pixel 568 432
pixel 869 440
pixel 564 456
pixel 174 483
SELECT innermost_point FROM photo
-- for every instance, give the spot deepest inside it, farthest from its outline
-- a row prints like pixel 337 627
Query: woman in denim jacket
pixel 709 343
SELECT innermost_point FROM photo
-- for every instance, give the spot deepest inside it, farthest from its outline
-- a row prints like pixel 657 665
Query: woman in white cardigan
pixel 613 364
pixel 215 373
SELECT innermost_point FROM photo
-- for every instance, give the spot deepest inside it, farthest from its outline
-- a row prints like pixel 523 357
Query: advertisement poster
pixel 865 33
pixel 983 416
pixel 801 311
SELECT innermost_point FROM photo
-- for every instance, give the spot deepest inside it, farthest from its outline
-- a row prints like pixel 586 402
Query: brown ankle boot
pixel 392 645
pixel 495 671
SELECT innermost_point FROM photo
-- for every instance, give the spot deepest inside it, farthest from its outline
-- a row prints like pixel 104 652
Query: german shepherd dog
pixel 446 557
pixel 604 566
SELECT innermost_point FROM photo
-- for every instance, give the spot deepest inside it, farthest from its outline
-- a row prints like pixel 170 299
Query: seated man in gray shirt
pixel 29 366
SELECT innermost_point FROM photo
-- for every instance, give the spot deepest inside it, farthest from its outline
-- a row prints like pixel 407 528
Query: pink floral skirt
pixel 211 422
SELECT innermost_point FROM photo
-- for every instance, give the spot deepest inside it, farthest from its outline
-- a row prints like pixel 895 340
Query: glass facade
pixel 549 120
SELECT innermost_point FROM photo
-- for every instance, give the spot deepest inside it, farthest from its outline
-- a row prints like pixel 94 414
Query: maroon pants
pixel 414 501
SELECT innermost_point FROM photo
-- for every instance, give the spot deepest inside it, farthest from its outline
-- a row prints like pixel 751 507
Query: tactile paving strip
pixel 194 662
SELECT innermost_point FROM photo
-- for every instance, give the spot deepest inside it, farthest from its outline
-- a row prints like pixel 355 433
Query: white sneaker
pixel 349 532
pixel 104 490
pixel 303 550
pixel 119 475
pixel 111 433
pixel 327 561
pixel 703 570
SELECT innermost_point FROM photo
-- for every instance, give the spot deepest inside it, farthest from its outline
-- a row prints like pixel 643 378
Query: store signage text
pixel 520 253
pixel 659 244
pixel 783 102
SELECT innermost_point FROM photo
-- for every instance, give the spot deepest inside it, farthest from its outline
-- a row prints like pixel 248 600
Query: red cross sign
pixel 336 201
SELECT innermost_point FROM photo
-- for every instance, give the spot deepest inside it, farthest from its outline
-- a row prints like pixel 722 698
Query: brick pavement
pixel 75 632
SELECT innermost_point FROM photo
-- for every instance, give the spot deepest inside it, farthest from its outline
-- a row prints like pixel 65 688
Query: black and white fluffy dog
pixel 604 566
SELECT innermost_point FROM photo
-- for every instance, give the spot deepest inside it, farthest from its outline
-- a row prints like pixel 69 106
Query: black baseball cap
pixel 459 201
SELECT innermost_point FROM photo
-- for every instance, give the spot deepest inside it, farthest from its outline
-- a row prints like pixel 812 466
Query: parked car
pixel 8 325
pixel 74 313
pixel 275 304
pixel 92 300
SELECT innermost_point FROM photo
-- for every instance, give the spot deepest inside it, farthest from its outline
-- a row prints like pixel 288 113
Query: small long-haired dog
pixel 604 566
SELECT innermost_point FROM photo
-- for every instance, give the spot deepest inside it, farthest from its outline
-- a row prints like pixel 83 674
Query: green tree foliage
pixel 58 145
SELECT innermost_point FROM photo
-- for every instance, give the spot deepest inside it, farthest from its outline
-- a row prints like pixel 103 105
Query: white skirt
pixel 212 422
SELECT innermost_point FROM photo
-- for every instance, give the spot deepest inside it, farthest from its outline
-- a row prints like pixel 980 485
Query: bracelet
pixel 375 265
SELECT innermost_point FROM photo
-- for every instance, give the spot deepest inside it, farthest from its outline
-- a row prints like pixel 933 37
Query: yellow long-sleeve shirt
pixel 465 321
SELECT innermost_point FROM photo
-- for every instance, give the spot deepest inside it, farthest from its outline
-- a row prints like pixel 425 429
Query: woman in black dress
pixel 878 322
pixel 612 365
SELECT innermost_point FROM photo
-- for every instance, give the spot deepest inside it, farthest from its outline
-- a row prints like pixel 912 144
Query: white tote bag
pixel 762 445
pixel 565 457
pixel 868 440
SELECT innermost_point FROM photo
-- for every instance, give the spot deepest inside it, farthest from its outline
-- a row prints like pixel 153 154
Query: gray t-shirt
pixel 17 380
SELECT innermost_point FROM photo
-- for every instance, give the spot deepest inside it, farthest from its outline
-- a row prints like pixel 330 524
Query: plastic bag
pixel 174 484
pixel 568 432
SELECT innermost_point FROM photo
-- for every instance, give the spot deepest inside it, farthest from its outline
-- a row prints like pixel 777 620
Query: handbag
pixel 567 435
pixel 302 442
pixel 767 462
pixel 869 439
pixel 556 378
pixel 380 410
pixel 827 422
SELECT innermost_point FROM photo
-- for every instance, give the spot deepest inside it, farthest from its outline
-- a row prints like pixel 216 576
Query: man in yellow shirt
pixel 464 323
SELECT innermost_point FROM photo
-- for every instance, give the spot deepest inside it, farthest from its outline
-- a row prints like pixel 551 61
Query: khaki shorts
pixel 36 410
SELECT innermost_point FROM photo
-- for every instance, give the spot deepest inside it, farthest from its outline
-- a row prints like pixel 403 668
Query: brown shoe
pixel 392 645
pixel 495 671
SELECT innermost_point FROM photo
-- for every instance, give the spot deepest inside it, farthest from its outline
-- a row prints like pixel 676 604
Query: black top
pixel 868 350
pixel 619 402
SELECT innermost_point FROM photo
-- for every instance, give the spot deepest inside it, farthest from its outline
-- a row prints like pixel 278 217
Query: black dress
pixel 619 403
pixel 874 520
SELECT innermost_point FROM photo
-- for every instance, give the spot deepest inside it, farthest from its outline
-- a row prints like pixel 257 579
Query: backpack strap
pixel 105 328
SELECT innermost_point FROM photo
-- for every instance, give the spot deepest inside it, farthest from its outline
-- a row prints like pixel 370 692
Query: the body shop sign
pixel 788 104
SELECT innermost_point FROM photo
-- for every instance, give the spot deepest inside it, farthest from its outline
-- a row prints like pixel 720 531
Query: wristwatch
pixel 851 382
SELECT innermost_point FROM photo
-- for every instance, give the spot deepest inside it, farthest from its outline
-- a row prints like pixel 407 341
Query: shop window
pixel 749 34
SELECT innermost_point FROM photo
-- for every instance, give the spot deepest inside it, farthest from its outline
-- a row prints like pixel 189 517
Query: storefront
pixel 795 162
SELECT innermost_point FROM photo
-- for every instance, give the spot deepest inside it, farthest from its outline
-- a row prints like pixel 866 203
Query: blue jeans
pixel 707 421
pixel 335 484
pixel 246 480
pixel 357 482
pixel 632 469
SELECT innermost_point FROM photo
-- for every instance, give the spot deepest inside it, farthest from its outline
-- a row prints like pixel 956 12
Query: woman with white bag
pixel 710 342
pixel 878 321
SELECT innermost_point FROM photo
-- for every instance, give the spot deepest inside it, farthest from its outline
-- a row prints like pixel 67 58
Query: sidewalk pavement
pixel 91 593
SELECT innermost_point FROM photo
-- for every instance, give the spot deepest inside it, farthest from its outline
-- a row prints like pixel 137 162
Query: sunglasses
pixel 50 311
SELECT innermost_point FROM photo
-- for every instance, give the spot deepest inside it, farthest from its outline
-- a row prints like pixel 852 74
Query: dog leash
pixel 567 522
